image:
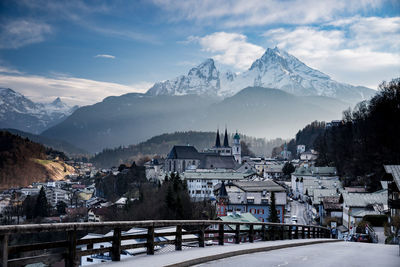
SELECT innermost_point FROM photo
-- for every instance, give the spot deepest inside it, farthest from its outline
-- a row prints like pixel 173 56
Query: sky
pixel 84 51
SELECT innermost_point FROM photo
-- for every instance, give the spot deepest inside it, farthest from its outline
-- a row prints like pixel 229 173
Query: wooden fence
pixel 67 250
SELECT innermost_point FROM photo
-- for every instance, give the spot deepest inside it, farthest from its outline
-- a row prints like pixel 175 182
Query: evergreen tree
pixel 288 169
pixel 273 214
pixel 61 206
pixel 41 207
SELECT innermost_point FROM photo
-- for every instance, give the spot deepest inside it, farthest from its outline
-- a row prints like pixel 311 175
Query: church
pixel 182 158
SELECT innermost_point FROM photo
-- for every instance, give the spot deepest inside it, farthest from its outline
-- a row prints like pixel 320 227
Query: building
pixel 154 170
pixel 201 182
pixel 54 195
pixel 310 155
pixel 300 149
pixel 331 208
pixel 393 178
pixel 235 217
pixel 357 205
pixel 303 174
pixel 253 197
pixel 182 158
pixel 286 154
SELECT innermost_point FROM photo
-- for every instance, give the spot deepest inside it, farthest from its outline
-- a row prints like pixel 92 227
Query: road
pixel 298 209
pixel 334 254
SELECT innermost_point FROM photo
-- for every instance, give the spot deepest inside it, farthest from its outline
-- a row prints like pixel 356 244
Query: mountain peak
pixel 276 68
pixel 57 101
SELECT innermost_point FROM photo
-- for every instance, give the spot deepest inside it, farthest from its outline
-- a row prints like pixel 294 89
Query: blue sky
pixel 84 51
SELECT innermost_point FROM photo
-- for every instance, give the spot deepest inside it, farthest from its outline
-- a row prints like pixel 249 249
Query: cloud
pixel 17 33
pixel 73 90
pixel 357 50
pixel 230 48
pixel 239 13
pixel 104 56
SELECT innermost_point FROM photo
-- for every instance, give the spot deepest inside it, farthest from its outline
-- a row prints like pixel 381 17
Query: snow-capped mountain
pixel 19 112
pixel 275 69
pixel 202 80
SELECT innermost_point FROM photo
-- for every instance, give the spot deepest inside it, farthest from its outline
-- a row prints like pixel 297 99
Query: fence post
pixel 150 240
pixel 201 236
pixel 4 250
pixel 313 232
pixel 308 232
pixel 318 233
pixel 273 230
pixel 221 234
pixel 178 238
pixel 282 232
pixel 251 233
pixel 296 232
pixel 290 232
pixel 237 234
pixel 302 232
pixel 71 257
pixel 263 233
pixel 116 245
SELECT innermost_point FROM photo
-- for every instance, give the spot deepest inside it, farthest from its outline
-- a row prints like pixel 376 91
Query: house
pixel 235 217
pixel 309 155
pixel 253 197
pixel 273 171
pixel 300 149
pixel 331 208
pixel 357 205
pixel 154 170
pixel 393 178
pixel 303 174
pixel 201 182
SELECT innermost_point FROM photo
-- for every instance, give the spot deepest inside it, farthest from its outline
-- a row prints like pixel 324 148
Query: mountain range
pixel 275 69
pixel 275 97
pixel 19 112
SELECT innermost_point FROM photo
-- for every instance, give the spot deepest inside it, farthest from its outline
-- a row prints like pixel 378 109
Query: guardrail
pixel 22 254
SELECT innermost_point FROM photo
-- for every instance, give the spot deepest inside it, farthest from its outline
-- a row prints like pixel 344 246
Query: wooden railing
pixel 56 251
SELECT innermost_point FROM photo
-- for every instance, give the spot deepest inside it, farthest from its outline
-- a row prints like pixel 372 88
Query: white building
pixel 54 195
pixel 201 182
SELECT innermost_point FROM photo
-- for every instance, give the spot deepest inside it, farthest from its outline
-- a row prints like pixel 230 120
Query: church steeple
pixel 217 141
pixel 226 143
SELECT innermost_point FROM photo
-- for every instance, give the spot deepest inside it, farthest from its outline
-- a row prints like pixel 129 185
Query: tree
pixel 41 207
pixel 245 147
pixel 273 214
pixel 288 169
pixel 61 206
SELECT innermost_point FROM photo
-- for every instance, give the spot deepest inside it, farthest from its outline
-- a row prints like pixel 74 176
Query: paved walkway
pixel 213 252
pixel 341 254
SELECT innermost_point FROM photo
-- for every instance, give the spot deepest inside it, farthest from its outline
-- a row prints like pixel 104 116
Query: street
pixel 297 209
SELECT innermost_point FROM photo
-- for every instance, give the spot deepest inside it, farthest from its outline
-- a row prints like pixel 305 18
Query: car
pixel 294 217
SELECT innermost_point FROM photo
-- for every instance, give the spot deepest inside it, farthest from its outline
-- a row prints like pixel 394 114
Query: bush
pixel 376 220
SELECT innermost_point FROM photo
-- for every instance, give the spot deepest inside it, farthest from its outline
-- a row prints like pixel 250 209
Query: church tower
pixel 237 149
pixel 222 201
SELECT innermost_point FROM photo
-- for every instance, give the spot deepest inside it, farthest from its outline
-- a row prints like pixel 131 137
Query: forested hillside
pixel 23 162
pixel 368 138
pixel 160 145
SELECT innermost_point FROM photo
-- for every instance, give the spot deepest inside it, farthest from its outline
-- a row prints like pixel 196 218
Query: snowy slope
pixel 275 69
pixel 19 112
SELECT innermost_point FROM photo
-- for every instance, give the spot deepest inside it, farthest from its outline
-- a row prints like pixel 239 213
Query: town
pixel 288 188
